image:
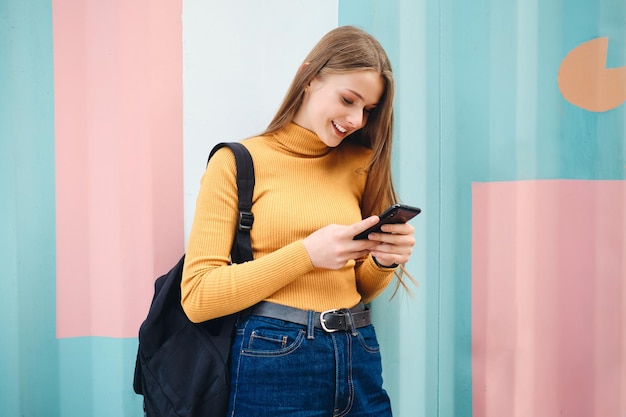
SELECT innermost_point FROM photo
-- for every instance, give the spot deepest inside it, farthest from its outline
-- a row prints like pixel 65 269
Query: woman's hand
pixel 395 245
pixel 332 246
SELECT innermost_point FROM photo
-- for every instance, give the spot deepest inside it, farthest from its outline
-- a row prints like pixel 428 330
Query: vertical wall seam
pixel 440 202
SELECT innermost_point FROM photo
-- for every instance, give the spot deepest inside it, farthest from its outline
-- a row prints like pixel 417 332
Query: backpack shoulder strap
pixel 242 249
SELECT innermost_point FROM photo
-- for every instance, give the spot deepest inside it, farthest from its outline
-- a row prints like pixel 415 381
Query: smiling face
pixel 337 105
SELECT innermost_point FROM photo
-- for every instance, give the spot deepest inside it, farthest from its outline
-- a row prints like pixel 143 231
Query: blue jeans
pixel 285 369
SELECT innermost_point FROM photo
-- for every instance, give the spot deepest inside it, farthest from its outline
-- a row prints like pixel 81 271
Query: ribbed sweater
pixel 301 186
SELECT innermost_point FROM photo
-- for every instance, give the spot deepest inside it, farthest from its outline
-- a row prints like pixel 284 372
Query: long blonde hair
pixel 348 49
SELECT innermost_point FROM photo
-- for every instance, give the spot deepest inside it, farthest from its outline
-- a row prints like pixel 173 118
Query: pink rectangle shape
pixel 549 298
pixel 118 120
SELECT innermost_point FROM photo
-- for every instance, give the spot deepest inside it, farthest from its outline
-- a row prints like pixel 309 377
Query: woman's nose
pixel 356 118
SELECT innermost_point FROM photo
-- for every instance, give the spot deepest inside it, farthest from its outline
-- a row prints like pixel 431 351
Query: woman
pixel 322 165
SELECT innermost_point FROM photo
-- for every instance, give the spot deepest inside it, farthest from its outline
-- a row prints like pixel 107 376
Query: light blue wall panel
pixel 28 351
pixel 95 377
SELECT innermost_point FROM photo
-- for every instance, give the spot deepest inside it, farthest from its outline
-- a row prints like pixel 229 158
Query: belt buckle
pixel 323 320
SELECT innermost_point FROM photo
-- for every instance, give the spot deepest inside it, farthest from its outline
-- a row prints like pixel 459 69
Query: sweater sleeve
pixel 371 279
pixel 211 287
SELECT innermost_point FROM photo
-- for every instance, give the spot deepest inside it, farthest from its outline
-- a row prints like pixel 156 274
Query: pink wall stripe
pixel 118 116
pixel 549 299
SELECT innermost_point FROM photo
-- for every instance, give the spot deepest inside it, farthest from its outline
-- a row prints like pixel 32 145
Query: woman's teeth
pixel 340 128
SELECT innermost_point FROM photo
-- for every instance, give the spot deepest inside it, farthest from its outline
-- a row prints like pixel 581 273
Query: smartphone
pixel 398 213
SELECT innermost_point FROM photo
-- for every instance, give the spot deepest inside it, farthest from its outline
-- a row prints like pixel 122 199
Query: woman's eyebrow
pixel 356 94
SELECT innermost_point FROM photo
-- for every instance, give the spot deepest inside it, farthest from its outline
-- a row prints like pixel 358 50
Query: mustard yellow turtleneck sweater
pixel 301 186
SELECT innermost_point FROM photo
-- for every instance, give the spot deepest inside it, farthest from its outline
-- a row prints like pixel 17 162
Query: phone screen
pixel 398 213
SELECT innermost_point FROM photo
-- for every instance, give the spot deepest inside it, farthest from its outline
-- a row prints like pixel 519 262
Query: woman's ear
pixel 304 65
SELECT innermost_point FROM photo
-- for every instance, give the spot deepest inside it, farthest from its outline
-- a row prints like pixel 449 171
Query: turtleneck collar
pixel 299 141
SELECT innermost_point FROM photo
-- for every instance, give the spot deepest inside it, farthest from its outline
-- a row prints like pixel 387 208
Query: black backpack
pixel 182 367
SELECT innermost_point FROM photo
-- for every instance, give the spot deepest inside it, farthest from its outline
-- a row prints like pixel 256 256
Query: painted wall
pixel 29 352
pixel 525 175
pixel 510 136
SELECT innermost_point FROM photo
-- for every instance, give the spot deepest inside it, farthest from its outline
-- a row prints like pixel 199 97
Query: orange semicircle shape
pixel 585 81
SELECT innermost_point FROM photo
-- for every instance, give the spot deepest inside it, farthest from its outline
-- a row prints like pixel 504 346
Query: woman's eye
pixel 347 101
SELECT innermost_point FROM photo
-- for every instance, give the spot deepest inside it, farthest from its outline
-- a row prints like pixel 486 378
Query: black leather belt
pixel 330 321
